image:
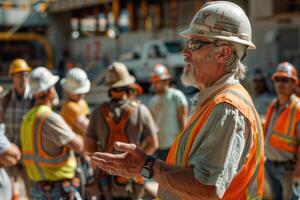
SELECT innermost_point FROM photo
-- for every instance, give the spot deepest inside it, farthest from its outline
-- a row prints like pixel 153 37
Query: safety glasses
pixel 282 79
pixel 194 45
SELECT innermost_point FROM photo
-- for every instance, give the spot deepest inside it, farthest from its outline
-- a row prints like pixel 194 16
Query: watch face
pixel 145 173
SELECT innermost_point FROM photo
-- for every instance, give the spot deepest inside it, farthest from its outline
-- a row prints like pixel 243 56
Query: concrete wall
pixel 270 50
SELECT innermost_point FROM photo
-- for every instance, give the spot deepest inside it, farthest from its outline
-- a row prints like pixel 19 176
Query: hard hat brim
pixel 284 74
pixel 189 33
pixel 122 83
pixel 54 79
pixel 80 90
pixel 27 69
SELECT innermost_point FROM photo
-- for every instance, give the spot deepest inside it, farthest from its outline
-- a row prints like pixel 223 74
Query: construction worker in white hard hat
pixel 48 143
pixel 282 134
pixel 219 154
pixel 15 103
pixel 169 108
pixel 75 112
pixel 120 119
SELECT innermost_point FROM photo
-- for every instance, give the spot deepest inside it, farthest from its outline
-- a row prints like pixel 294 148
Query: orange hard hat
pixel 159 73
pixel 137 88
pixel 18 65
pixel 286 69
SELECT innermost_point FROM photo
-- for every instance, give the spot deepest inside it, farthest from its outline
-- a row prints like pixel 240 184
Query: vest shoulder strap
pixel 116 129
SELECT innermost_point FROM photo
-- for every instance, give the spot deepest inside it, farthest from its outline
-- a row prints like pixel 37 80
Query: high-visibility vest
pixel 117 133
pixel 40 165
pixel 248 182
pixel 283 133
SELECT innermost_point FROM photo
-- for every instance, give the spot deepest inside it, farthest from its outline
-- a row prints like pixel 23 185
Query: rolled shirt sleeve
pixel 220 149
pixel 57 130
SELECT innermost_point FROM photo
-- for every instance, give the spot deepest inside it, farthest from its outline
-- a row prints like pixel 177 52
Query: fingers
pixel 124 147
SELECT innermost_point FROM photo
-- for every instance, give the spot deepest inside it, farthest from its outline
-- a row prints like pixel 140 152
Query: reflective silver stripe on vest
pixel 287 138
pixel 35 157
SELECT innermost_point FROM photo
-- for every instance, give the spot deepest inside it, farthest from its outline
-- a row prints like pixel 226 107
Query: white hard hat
pixel 286 69
pixel 117 75
pixel 159 73
pixel 41 79
pixel 221 20
pixel 76 81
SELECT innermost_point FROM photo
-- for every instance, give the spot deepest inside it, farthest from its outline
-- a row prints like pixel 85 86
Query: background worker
pixel 9 155
pixel 262 92
pixel 120 119
pixel 282 134
pixel 14 104
pixel 75 112
pixel 169 109
pixel 47 143
pixel 219 154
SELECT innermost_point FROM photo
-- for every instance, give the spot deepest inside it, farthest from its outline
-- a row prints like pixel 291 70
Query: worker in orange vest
pixel 282 134
pixel 219 154
pixel 121 119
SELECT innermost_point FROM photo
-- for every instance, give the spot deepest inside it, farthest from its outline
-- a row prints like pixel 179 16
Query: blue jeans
pixel 56 193
pixel 280 181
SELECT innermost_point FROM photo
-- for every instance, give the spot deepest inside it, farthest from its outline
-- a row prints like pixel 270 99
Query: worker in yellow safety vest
pixel 282 134
pixel 48 142
pixel 219 154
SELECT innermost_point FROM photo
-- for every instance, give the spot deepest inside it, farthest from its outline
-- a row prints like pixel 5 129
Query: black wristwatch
pixel 147 171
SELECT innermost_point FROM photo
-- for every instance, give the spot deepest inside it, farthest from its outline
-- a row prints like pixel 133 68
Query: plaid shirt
pixel 14 113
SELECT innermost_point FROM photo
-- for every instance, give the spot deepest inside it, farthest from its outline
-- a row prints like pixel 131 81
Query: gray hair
pixel 234 62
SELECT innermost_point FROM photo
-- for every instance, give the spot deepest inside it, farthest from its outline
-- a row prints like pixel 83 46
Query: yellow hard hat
pixel 18 65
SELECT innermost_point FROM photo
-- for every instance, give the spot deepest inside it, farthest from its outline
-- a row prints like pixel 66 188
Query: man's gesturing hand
pixel 127 164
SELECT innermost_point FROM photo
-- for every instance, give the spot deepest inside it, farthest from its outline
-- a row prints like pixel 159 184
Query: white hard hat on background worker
pixel 76 82
pixel 159 73
pixel 286 69
pixel 117 75
pixel 41 79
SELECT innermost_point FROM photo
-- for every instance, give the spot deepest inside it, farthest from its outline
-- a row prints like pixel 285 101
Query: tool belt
pixel 65 184
pixel 288 165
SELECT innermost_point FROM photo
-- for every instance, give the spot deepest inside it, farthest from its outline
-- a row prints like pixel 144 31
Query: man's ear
pixel 223 54
pixel 51 92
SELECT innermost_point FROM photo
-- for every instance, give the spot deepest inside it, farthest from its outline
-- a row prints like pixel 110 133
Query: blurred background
pixel 61 34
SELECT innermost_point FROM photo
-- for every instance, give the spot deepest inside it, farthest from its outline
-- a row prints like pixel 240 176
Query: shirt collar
pixel 27 94
pixel 201 97
pixel 286 104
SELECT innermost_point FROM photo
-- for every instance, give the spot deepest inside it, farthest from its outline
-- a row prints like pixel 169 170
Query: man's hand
pixel 127 164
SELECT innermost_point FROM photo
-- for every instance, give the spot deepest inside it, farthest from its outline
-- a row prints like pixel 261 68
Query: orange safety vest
pixel 248 183
pixel 283 134
pixel 117 133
